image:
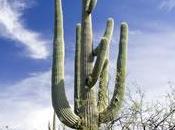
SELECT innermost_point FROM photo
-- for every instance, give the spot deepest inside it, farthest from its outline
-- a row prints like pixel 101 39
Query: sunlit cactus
pixel 90 109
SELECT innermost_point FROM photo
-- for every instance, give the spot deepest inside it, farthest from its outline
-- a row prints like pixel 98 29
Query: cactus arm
pixel 109 29
pixel 59 99
pixel 110 112
pixel 86 5
pixel 103 88
pixel 93 77
pixel 108 34
pixel 104 79
pixel 77 70
pixel 91 6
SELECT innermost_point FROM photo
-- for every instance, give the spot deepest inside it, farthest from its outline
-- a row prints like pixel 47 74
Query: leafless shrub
pixel 137 114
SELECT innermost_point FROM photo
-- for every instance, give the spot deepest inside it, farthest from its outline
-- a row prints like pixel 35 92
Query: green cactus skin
pixel 77 83
pixel 90 110
pixel 108 34
pixel 110 112
pixel 91 5
pixel 103 97
pixel 92 79
pixel 59 100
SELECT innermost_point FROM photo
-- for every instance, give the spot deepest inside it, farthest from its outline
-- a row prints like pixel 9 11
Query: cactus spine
pixel 89 110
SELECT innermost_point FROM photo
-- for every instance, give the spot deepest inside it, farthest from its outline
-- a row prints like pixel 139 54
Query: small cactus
pixel 90 110
pixel 53 123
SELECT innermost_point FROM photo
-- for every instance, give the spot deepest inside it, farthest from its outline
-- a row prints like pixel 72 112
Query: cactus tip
pixel 78 24
pixel 110 19
pixel 124 24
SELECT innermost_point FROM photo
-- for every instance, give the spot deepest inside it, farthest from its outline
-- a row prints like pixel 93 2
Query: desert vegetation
pixel 90 109
pixel 138 113
pixel 141 114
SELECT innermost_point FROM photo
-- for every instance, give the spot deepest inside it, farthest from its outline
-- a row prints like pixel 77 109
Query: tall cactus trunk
pixel 88 113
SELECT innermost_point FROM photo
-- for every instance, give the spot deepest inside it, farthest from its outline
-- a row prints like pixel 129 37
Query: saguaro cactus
pixel 90 110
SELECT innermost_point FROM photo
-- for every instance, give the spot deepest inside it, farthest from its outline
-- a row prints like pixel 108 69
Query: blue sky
pixel 26 32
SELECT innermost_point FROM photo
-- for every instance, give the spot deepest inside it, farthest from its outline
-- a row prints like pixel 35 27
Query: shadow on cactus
pixel 91 65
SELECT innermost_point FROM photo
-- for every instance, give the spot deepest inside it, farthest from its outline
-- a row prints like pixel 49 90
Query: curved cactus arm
pixel 59 99
pixel 103 88
pixel 104 79
pixel 109 29
pixel 77 70
pixel 108 34
pixel 91 5
pixel 110 112
pixel 93 77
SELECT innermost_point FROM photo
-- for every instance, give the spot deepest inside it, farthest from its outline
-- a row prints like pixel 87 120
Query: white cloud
pixel 26 105
pixel 12 27
pixel 167 4
pixel 150 59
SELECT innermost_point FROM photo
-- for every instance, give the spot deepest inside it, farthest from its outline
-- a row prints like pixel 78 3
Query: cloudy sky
pixel 26 32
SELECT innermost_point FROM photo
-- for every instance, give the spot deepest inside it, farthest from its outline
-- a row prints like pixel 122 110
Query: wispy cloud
pixel 167 5
pixel 12 27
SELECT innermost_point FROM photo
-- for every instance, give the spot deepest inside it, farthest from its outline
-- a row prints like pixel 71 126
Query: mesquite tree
pixel 90 110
